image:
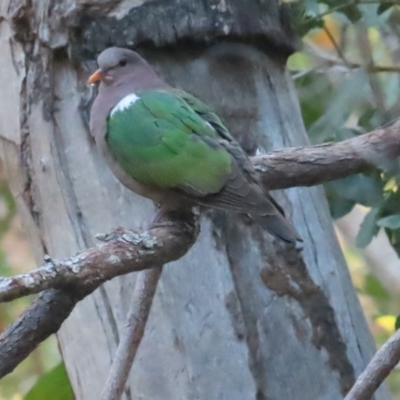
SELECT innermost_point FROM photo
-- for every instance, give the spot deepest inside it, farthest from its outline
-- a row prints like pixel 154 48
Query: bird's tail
pixel 279 227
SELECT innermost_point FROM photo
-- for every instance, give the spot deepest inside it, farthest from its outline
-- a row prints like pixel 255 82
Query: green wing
pixel 205 112
pixel 161 141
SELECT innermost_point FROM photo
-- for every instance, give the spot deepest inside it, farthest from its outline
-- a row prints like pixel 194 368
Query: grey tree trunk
pixel 239 317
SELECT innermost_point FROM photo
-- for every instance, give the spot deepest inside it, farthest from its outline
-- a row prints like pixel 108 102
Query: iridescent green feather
pixel 161 141
pixel 205 112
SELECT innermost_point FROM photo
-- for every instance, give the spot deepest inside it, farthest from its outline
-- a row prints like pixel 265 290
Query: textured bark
pixel 307 166
pixel 124 252
pixel 43 318
pixel 79 276
pixel 240 316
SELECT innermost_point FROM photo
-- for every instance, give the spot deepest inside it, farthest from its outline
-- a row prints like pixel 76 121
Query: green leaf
pixel 389 213
pixel 397 323
pixel 391 222
pixel 304 16
pixel 368 229
pixel 352 13
pixel 365 120
pixel 394 239
pixel 385 6
pixel 346 7
pixel 373 287
pixel 309 23
pixel 315 92
pixel 339 207
pixel 343 194
pixel 53 385
pixel 391 205
pixel 338 105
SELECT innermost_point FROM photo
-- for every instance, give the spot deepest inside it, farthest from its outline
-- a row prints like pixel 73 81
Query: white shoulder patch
pixel 125 103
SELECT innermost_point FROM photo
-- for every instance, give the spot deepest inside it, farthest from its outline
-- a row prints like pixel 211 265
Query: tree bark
pixel 241 316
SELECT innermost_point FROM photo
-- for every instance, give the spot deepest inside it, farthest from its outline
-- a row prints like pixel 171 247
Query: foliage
pixel 342 94
pixel 348 80
pixel 54 384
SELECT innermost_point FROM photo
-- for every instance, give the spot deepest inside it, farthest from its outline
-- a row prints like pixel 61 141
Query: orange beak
pixel 96 76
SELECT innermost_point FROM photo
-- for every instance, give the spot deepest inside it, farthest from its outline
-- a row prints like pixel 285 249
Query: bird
pixel 167 145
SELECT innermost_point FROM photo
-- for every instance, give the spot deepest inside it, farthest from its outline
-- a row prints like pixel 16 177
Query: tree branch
pixel 139 310
pixel 383 362
pixel 43 318
pixel 125 252
pixel 313 165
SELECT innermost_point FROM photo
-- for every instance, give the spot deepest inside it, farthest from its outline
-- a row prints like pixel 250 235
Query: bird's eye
pixel 122 62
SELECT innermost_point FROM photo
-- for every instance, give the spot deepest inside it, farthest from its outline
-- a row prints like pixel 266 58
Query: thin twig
pixel 335 45
pixel 381 68
pixel 383 362
pixel 145 288
pixel 367 56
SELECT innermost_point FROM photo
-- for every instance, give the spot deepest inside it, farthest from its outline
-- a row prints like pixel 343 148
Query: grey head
pixel 121 72
pixel 119 67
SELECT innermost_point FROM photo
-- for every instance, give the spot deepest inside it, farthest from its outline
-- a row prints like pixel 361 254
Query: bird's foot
pixel 167 217
pixel 160 217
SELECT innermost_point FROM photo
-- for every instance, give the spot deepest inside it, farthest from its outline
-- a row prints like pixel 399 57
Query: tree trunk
pixel 240 316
